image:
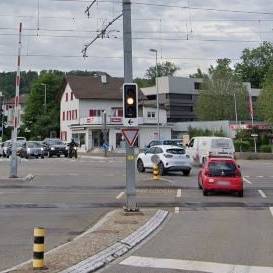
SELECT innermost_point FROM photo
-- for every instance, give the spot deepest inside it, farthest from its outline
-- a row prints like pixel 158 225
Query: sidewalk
pixel 111 237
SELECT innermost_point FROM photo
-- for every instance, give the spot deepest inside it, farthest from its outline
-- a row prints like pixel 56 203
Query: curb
pixel 27 178
pixel 118 249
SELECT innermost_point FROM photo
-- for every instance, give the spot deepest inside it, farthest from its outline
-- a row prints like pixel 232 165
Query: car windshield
pixel 34 145
pixel 222 168
pixel 176 151
pixel 221 143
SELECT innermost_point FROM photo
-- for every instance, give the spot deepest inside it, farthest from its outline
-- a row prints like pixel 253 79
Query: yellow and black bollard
pixel 156 175
pixel 38 248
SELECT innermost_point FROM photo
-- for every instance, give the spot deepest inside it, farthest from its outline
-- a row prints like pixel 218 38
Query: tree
pixel 38 121
pixel 199 74
pixel 255 64
pixel 265 100
pixel 7 82
pixel 163 69
pixel 219 91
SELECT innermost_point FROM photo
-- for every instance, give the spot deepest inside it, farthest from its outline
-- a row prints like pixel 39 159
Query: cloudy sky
pixel 190 33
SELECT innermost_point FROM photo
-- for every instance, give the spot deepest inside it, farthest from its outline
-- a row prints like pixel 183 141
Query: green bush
pixel 241 145
pixel 266 149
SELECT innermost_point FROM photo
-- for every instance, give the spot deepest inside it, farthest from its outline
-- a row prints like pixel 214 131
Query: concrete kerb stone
pixel 118 249
pixel 27 178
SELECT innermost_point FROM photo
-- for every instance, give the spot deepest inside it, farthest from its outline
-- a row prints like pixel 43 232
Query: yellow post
pixel 156 175
pixel 38 248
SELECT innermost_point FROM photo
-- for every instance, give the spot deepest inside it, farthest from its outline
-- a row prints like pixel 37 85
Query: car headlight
pixel 52 148
pixel 66 148
pixel 42 149
pixel 28 150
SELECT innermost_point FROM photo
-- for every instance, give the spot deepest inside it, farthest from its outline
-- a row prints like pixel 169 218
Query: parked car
pixel 55 146
pixel 220 174
pixel 5 147
pixel 1 149
pixel 172 158
pixel 31 148
pixel 174 142
pixel 200 148
pixel 19 145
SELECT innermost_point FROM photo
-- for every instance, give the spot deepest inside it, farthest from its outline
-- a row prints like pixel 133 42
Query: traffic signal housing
pixel 130 101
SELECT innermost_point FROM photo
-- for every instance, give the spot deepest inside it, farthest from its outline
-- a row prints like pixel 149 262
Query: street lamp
pixel 157 97
pixel 44 84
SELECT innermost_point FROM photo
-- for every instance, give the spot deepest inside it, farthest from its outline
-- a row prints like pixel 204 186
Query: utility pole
pixel 235 108
pixel 131 204
pixel 16 125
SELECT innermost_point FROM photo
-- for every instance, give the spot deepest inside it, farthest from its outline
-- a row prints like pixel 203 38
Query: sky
pixel 192 33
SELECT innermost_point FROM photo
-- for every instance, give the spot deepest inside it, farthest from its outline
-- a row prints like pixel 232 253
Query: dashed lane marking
pixel 120 195
pixel 246 176
pixel 246 180
pixel 176 210
pixel 179 193
pixel 260 176
pixel 189 265
pixel 261 192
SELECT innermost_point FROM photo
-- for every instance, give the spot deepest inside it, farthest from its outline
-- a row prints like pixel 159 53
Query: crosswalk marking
pixel 261 192
pixel 246 180
pixel 190 265
pixel 179 193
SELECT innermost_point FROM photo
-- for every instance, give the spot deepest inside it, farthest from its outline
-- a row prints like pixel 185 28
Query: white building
pixel 83 101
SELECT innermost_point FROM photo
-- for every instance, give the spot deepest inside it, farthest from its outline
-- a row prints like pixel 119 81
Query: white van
pixel 199 148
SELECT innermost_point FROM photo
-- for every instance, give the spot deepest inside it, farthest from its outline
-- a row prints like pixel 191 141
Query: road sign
pixel 130 135
pixel 130 105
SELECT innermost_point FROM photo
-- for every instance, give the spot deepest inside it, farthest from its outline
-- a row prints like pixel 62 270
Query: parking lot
pixel 67 196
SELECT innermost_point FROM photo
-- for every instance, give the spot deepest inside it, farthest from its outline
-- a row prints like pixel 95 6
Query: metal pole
pixel 45 97
pixel 157 96
pixel 2 115
pixel 16 125
pixel 104 128
pixel 44 84
pixel 131 204
pixel 235 106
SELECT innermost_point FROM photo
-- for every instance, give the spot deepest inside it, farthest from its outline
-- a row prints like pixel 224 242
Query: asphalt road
pixel 67 196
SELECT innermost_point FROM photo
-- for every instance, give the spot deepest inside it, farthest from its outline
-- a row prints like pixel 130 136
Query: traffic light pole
pixel 131 204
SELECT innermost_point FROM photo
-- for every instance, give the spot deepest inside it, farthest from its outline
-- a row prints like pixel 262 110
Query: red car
pixel 220 174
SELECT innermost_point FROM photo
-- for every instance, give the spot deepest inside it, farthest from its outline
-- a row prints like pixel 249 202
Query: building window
pixel 151 114
pixel 69 115
pixel 72 114
pixel 66 115
pixel 117 112
pixel 63 115
pixel 76 114
pixel 71 96
pixel 66 96
pixel 197 85
pixel 95 113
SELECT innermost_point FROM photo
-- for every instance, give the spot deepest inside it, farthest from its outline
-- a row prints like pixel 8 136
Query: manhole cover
pixel 126 222
pixel 106 231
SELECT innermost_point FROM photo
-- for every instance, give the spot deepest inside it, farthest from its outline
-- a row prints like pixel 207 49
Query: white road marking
pixel 262 194
pixel 246 180
pixel 189 265
pixel 271 210
pixel 260 176
pixel 120 195
pixel 179 193
pixel 247 176
pixel 176 210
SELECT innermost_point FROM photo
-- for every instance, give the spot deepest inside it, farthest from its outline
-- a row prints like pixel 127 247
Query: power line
pixel 176 6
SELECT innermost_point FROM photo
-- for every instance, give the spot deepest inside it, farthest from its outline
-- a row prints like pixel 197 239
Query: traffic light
pixel 130 101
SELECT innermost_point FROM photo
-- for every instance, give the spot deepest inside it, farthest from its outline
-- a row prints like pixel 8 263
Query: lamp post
pixel 44 84
pixel 157 97
pixel 235 108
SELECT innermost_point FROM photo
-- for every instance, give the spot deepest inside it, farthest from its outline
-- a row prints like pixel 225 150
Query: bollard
pixel 38 248
pixel 156 175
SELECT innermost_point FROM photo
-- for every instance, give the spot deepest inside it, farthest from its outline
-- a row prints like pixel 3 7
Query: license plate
pixel 223 183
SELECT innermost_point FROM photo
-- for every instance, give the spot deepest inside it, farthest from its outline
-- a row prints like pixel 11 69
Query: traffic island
pixel 114 235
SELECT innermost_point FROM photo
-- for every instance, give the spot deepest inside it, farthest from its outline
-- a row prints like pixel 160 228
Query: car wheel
pixel 42 157
pixel 140 166
pixel 59 155
pixel 199 185
pixel 205 193
pixel 186 172
pixel 241 193
pixel 161 169
pixel 26 157
pixel 49 155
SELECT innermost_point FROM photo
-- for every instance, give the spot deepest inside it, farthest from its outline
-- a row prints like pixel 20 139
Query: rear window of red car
pixel 222 168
